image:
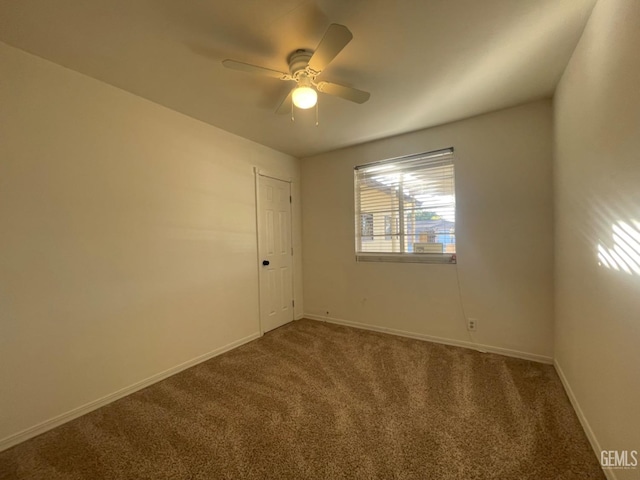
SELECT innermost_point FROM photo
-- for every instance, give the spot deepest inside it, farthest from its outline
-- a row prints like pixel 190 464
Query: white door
pixel 275 253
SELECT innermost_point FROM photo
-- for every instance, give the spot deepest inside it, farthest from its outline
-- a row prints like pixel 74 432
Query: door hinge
pixel 293 303
pixel 290 200
pixel 291 250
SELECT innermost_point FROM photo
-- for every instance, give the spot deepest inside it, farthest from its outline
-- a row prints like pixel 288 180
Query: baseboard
pixel 40 428
pixel 610 474
pixel 446 341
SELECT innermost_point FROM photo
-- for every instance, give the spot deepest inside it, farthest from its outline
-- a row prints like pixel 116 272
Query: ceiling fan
pixel 304 67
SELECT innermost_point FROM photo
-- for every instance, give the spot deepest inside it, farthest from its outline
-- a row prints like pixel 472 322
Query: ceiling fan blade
pixel 285 106
pixel 334 40
pixel 246 67
pixel 348 93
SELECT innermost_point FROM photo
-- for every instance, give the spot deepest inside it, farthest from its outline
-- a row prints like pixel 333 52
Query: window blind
pixel 405 207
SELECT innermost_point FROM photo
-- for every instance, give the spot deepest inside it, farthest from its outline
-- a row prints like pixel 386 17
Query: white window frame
pixel 437 158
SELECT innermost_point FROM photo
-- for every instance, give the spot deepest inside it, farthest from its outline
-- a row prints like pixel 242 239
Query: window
pixel 406 208
pixel 366 227
pixel 390 227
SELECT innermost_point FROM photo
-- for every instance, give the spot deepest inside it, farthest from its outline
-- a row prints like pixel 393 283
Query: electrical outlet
pixel 472 324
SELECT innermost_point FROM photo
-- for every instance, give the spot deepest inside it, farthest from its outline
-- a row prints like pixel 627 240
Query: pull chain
pixel 293 118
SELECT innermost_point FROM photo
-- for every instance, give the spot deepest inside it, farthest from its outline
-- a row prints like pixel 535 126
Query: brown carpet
pixel 318 401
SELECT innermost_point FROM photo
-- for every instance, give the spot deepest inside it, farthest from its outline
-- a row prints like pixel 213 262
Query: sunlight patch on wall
pixel 625 254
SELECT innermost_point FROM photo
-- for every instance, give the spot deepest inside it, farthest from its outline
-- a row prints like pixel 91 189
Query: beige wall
pixel 504 237
pixel 597 182
pixel 127 241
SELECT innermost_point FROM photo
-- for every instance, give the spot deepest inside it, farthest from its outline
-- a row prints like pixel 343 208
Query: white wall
pixel 127 241
pixel 597 184
pixel 504 233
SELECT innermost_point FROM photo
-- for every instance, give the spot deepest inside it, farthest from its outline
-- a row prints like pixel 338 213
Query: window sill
pixel 447 258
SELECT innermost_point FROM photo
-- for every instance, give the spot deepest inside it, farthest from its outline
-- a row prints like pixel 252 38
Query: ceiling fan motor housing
pixel 298 61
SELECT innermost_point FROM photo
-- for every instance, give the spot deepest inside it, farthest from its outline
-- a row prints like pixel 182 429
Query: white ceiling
pixel 425 62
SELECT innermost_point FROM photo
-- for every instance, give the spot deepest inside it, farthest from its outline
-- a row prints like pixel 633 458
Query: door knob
pixel 265 262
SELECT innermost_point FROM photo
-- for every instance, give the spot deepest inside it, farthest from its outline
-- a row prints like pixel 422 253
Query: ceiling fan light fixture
pixel 304 97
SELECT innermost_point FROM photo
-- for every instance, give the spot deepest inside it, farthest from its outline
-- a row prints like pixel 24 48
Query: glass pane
pixel 407 207
pixel 431 242
pixel 380 244
pixel 366 226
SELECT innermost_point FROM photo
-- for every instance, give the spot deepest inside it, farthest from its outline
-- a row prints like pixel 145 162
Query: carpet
pixel 312 400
